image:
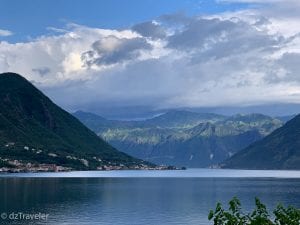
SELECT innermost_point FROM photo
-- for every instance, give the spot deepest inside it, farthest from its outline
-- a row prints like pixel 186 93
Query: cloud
pixel 42 71
pixel 111 50
pixel 150 29
pixel 196 33
pixel 5 33
pixel 239 58
pixel 289 63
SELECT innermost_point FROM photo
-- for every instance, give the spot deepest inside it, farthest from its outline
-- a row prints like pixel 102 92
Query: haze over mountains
pixel 183 138
pixel 35 131
pixel 138 112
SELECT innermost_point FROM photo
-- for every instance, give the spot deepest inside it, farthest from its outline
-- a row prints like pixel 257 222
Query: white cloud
pixel 5 33
pixel 245 57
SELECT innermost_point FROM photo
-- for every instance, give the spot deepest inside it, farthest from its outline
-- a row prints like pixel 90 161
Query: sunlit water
pixel 140 197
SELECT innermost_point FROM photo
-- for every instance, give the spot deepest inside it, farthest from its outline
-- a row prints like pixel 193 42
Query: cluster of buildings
pixel 17 166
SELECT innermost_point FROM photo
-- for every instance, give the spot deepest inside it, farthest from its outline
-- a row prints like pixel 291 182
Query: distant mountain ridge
pixel 279 150
pixel 183 138
pixel 33 130
pixel 176 118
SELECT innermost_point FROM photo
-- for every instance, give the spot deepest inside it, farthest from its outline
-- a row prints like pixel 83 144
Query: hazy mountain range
pixel 137 112
pixel 183 138
pixel 35 132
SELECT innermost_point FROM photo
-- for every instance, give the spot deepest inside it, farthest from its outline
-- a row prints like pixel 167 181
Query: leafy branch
pixel 260 216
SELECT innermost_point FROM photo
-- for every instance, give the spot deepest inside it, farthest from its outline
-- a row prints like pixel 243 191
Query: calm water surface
pixel 140 197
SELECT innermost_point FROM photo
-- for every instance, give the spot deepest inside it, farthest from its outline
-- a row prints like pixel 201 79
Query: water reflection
pixel 137 200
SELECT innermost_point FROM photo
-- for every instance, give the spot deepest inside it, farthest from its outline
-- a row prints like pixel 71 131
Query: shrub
pixel 260 216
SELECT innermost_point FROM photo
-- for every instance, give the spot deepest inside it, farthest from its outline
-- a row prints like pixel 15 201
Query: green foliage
pixel 260 216
pixel 287 216
pixel 232 217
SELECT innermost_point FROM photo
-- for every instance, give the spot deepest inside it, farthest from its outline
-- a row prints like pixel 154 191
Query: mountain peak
pixel 31 121
pixel 12 77
pixel 12 74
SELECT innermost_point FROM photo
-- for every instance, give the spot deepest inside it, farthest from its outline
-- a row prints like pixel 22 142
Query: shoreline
pixel 59 169
pixel 188 173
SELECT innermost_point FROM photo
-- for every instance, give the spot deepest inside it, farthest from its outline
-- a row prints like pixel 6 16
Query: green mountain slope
pixel 35 130
pixel 183 138
pixel 279 150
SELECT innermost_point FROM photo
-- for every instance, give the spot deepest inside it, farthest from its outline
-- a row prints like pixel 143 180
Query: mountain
pixel 34 132
pixel 279 150
pixel 93 121
pixel 286 118
pixel 182 119
pixel 183 138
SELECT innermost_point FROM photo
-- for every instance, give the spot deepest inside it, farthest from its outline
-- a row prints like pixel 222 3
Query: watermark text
pixel 24 216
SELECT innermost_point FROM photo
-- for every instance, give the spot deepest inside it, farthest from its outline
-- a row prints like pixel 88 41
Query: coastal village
pixel 19 166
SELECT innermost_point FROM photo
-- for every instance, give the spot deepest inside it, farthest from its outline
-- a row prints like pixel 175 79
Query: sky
pixel 155 54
